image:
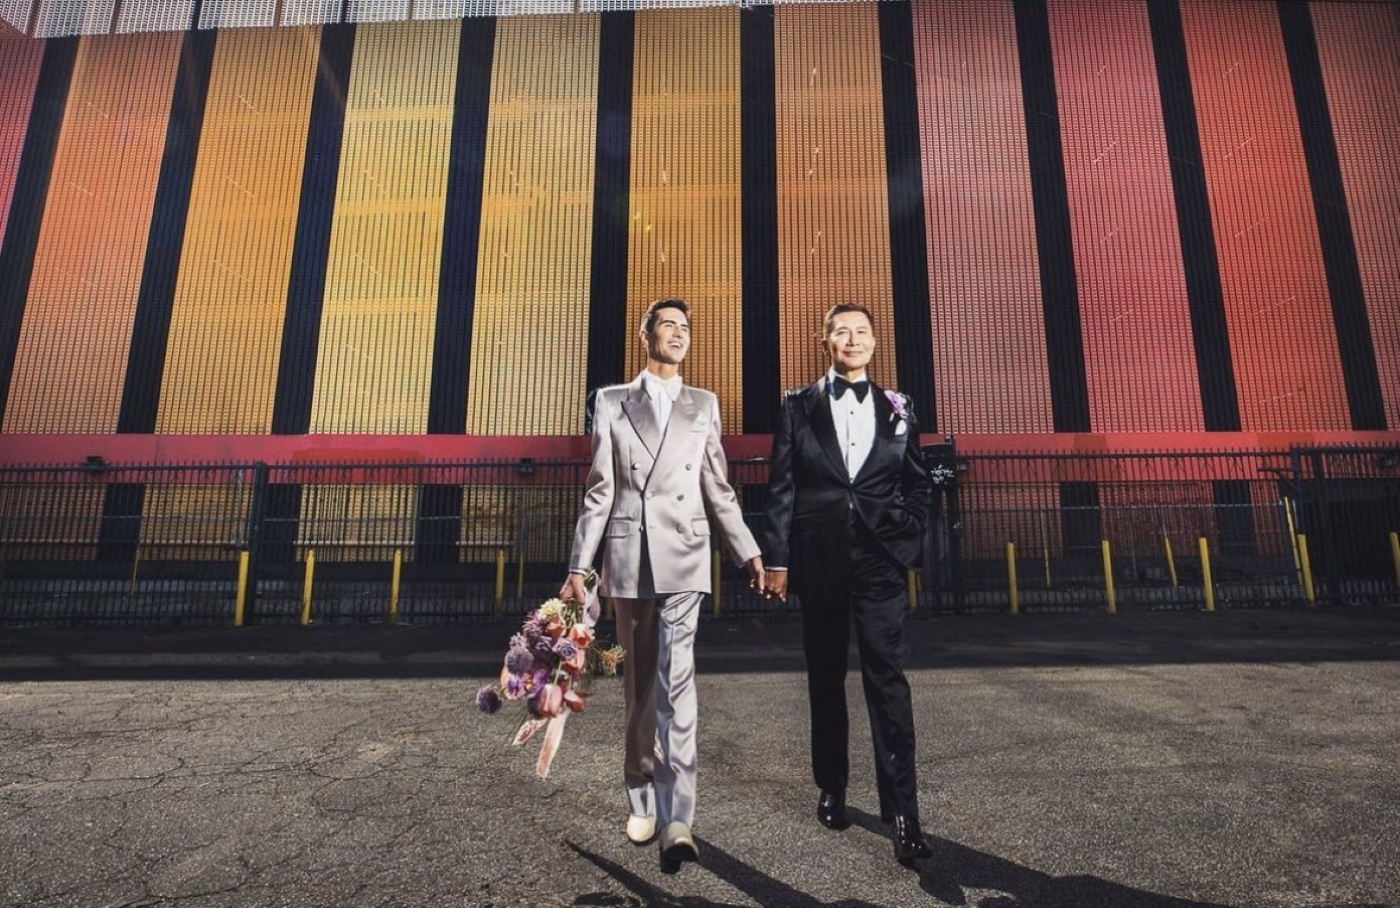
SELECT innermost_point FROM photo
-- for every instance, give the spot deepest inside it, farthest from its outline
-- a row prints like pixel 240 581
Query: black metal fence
pixel 457 541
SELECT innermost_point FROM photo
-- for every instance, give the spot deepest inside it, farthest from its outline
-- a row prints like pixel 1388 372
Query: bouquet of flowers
pixel 549 666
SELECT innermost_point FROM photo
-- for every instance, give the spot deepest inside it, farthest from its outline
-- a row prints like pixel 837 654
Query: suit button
pixel 687 466
pixel 636 466
pixel 680 498
pixel 651 494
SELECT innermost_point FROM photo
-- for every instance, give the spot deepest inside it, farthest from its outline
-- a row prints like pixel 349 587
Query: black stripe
pixel 145 365
pixel 762 347
pixel 461 230
pixel 1354 340
pixel 913 331
pixel 119 532
pixel 608 331
pixel 1081 519
pixel 1234 517
pixel 30 192
pixel 1059 288
pixel 301 327
pixel 1210 331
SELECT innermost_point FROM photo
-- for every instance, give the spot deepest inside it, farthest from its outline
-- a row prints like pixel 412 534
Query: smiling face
pixel 668 341
pixel 849 341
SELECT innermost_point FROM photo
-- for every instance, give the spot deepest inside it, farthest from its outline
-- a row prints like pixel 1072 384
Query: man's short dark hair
pixel 839 308
pixel 649 319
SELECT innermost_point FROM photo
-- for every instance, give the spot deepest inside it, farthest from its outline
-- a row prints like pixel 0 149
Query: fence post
pixel 1109 592
pixel 500 582
pixel 1206 580
pixel 253 537
pixel 1011 576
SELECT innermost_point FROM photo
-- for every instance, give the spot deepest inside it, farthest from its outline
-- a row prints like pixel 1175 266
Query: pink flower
pixel 897 402
pixel 550 701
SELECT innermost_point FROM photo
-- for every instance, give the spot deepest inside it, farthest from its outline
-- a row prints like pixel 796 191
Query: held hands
pixel 756 575
pixel 775 584
pixel 573 590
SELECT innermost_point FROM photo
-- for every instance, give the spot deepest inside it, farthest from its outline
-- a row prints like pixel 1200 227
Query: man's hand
pixel 775 584
pixel 756 576
pixel 572 590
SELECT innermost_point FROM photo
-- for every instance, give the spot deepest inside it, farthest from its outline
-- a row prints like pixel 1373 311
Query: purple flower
pixel 515 686
pixel 488 699
pixel 519 661
pixel 565 649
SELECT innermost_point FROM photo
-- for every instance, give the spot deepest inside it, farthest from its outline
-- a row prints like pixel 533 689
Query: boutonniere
pixel 897 403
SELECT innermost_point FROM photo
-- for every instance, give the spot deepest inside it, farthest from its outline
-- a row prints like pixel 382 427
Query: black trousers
pixel 872 597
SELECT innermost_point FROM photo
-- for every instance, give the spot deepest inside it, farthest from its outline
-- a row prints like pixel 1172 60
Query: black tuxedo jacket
pixel 811 498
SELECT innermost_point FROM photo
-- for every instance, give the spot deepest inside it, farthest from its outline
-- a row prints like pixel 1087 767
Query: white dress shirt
pixel 855 425
pixel 663 393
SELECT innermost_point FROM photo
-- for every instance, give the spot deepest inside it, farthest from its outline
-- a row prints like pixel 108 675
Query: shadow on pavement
pixel 725 644
pixel 956 875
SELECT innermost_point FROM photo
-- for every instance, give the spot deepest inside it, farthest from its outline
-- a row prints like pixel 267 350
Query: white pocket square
pixel 901 427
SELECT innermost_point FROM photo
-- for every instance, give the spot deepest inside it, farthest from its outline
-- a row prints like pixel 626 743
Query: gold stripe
pixel 833 211
pixel 230 298
pixel 529 354
pixel 686 228
pixel 374 368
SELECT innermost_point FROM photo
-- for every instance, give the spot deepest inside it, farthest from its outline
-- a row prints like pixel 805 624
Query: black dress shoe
pixel 909 844
pixel 831 810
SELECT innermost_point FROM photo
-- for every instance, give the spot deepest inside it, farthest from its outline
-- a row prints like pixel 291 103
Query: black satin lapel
pixel 823 426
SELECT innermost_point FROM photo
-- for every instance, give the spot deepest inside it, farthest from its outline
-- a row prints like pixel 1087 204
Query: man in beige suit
pixel 657 488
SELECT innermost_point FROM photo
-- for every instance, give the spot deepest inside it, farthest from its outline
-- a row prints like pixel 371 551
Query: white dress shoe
pixel 640 830
pixel 677 845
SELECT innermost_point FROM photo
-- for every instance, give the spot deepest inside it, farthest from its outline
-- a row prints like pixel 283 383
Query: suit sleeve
pixel 599 491
pixel 915 481
pixel 719 497
pixel 777 530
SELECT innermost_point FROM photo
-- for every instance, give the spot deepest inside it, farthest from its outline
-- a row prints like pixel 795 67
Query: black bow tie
pixel 839 386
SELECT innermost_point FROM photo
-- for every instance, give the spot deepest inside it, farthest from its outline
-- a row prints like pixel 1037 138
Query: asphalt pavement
pixel 1150 760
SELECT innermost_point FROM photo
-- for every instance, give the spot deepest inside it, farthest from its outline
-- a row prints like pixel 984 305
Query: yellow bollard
pixel 715 564
pixel 1395 555
pixel 1171 560
pixel 1206 580
pixel 1011 575
pixel 1109 591
pixel 240 598
pixel 394 582
pixel 520 577
pixel 912 583
pixel 500 582
pixel 306 587
pixel 1308 592
pixel 1045 549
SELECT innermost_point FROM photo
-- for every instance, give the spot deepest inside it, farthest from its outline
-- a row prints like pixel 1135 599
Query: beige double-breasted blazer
pixel 657 496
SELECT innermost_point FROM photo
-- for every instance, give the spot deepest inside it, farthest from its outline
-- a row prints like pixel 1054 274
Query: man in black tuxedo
pixel 848 499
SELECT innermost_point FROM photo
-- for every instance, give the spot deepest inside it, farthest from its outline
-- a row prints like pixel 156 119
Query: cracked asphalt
pixel 1149 760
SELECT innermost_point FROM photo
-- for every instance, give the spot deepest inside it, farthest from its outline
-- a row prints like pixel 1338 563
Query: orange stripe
pixel 19 73
pixel 74 342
